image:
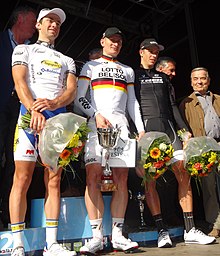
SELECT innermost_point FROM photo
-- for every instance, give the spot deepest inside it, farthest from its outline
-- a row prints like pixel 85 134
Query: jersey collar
pixel 46 44
pixel 109 58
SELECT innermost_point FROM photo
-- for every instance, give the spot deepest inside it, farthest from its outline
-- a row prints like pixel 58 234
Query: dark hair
pixel 95 50
pixel 162 61
pixel 19 10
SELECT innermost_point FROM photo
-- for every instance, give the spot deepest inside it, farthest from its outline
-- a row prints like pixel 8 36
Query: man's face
pixel 169 69
pixel 149 56
pixel 200 81
pixel 112 45
pixel 49 27
pixel 27 24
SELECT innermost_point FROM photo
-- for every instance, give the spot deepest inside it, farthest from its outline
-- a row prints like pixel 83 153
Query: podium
pixel 74 227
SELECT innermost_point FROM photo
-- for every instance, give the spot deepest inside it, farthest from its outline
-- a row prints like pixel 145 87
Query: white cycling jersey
pixel 47 69
pixel 111 86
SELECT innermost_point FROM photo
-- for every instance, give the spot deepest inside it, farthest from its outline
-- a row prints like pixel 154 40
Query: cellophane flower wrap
pixel 62 140
pixel 201 154
pixel 155 153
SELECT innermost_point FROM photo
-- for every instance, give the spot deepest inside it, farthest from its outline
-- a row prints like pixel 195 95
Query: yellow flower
pixel 147 165
pixel 155 153
pixel 161 171
pixel 64 163
pixel 74 141
pixel 213 157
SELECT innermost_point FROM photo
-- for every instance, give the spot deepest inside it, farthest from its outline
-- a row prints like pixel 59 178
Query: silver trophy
pixel 108 138
pixel 141 199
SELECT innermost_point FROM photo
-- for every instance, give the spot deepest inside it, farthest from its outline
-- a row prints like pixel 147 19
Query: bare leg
pixel 21 182
pixel 120 197
pixel 52 204
pixel 151 194
pixel 184 188
pixel 93 196
pixel 152 198
pixel 52 195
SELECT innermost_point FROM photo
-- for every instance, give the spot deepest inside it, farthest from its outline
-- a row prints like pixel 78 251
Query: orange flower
pixel 158 164
pixel 198 166
pixel 65 154
pixel 167 159
pixel 157 176
pixel 203 174
pixel 209 165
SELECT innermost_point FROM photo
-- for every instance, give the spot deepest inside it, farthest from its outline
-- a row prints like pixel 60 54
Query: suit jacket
pixel 6 80
pixel 192 112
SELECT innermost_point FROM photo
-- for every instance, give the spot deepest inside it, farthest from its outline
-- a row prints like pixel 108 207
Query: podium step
pixel 74 228
pixel 34 239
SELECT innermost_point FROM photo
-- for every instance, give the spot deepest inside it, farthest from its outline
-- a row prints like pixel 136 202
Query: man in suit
pixel 201 111
pixel 21 29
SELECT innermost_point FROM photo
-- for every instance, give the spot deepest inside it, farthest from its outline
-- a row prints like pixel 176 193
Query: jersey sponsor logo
pixel 112 73
pixel 153 80
pixel 90 160
pixel 29 152
pixel 118 151
pixel 84 103
pixel 56 54
pixel 52 64
pixel 49 71
pixel 18 52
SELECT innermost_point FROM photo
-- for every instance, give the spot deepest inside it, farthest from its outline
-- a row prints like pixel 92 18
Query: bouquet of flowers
pixel 183 134
pixel 62 140
pixel 74 147
pixel 201 154
pixel 155 153
pixel 24 123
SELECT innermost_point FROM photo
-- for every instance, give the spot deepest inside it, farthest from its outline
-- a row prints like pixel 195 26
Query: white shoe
pixel 196 236
pixel 18 251
pixel 58 250
pixel 164 240
pixel 92 246
pixel 124 244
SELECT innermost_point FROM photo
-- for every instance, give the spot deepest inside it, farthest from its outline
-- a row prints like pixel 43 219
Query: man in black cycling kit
pixel 160 113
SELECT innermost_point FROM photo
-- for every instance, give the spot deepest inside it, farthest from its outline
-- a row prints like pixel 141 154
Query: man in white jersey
pixel 111 86
pixel 45 83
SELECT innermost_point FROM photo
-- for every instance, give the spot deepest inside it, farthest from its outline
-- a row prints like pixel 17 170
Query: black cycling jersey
pixel 158 107
pixel 151 88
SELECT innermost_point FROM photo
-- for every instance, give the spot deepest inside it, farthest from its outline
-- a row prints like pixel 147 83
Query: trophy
pixel 141 198
pixel 108 138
